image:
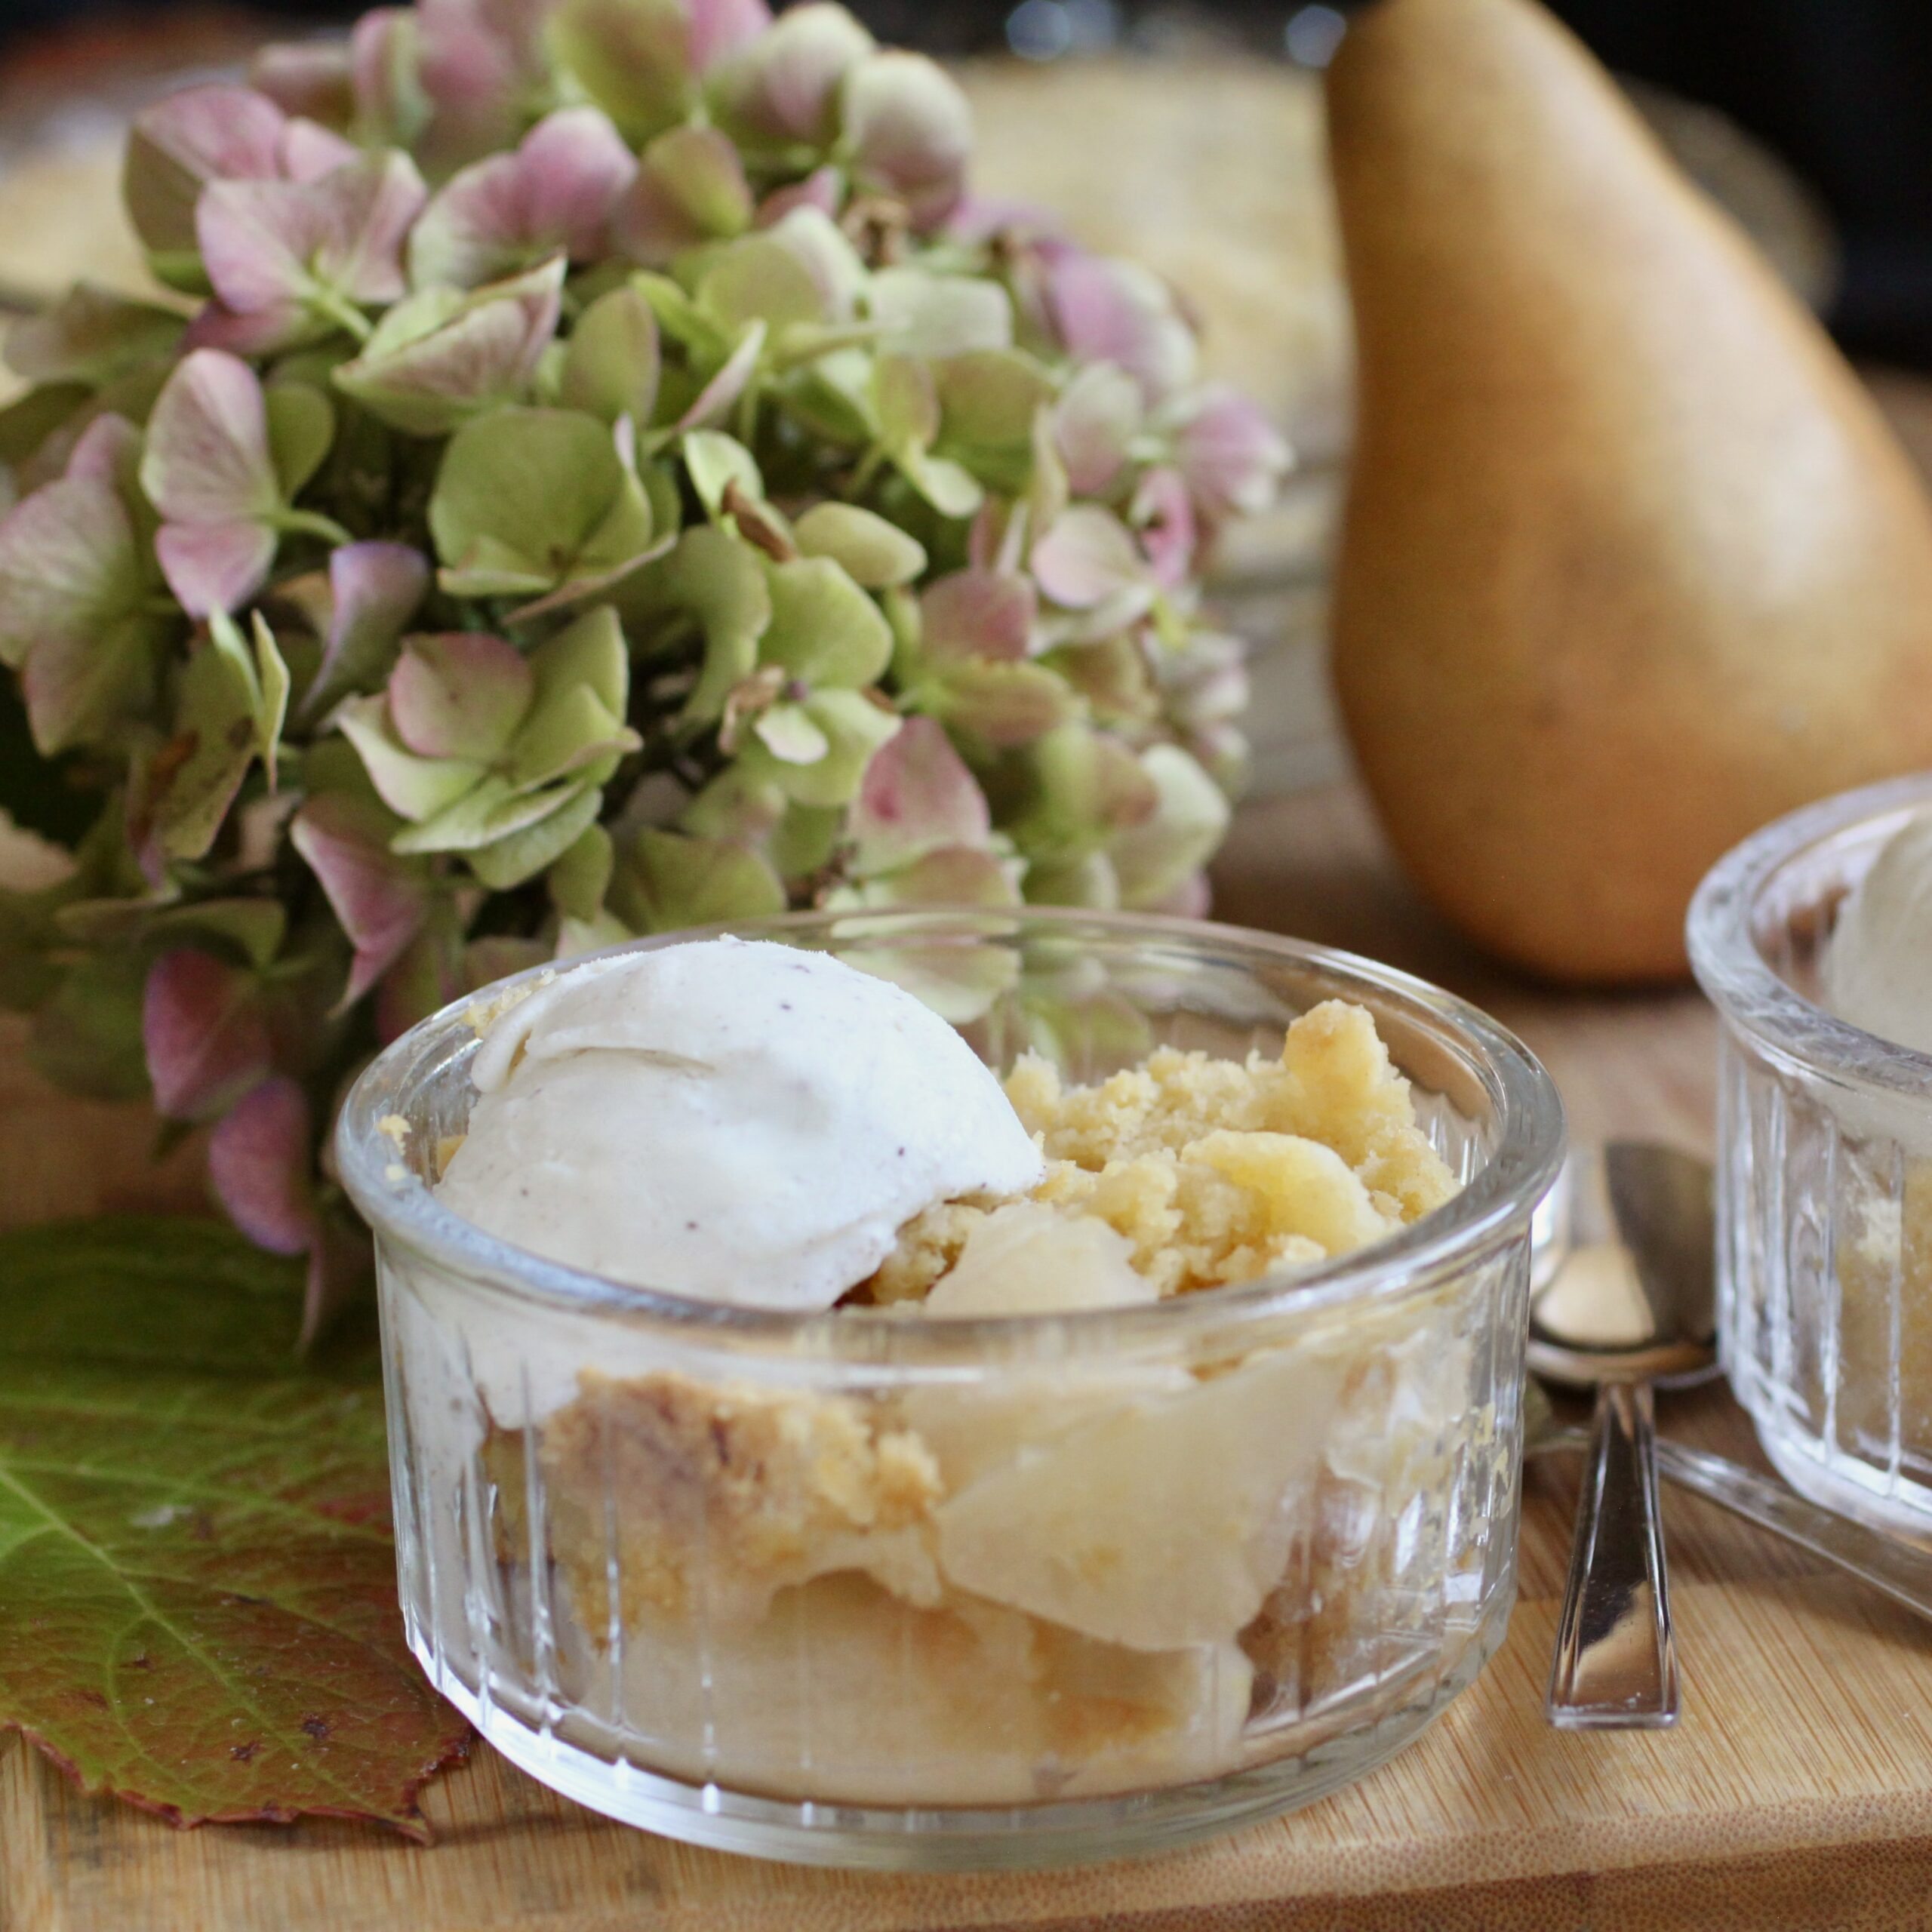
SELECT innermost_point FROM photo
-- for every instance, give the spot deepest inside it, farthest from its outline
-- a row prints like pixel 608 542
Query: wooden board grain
pixel 1797 1792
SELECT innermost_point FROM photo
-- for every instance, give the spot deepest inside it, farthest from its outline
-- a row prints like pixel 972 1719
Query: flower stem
pixel 312 523
pixel 341 311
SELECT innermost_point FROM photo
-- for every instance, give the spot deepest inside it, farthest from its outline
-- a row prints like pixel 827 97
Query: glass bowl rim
pixel 1506 1190
pixel 1739 982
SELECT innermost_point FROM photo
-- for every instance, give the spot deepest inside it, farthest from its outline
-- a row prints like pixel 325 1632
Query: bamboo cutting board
pixel 1796 1793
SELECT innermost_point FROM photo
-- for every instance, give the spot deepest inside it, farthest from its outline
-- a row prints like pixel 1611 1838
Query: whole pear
pixel 1631 564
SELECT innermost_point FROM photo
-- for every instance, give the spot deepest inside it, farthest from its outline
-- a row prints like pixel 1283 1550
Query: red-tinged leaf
pixel 380 899
pixel 206 1039
pixel 197 1606
pixel 260 1157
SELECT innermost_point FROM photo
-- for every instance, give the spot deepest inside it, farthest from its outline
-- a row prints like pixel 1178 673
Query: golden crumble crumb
pixel 929 1244
pixel 1218 1171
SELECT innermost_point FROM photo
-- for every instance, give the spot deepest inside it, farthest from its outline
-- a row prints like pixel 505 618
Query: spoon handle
pixel 1616 1662
pixel 1902 1572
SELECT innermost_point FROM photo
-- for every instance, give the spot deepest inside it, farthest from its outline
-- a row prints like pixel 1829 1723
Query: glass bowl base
pixel 1893 1505
pixel 932 1839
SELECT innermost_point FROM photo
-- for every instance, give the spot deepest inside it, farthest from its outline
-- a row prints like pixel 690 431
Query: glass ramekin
pixel 1825 1173
pixel 1312 1480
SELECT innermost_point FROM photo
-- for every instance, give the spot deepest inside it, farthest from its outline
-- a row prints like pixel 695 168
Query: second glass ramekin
pixel 1275 1524
pixel 1824 1173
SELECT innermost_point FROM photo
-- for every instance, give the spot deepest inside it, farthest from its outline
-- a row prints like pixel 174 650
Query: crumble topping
pixel 1217 1171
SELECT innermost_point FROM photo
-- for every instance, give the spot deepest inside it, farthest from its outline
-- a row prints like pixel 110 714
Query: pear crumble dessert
pixel 1087 1572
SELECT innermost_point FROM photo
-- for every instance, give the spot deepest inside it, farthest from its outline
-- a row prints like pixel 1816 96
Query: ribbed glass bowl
pixel 1276 1524
pixel 1825 1173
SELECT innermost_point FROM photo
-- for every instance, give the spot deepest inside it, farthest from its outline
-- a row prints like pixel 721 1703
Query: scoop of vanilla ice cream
pixel 1878 968
pixel 737 1122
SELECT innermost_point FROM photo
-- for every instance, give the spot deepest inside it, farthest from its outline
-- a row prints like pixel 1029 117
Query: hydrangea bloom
pixel 603 473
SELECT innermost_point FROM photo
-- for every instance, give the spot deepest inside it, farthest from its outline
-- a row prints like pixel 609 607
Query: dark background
pixel 1842 89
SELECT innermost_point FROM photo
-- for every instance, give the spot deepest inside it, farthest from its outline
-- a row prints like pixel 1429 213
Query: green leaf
pixel 301 427
pixel 196 1576
pixel 580 876
pixel 490 809
pixel 670 880
pixel 185 791
pixel 508 862
pixel 630 57
pixel 714 462
pixel 527 499
pixel 824 628
pixel 759 279
pixel 612 361
pixel 720 580
pixel 872 552
pixel 90 335
pixel 271 687
pixel 417 788
pixel 854 728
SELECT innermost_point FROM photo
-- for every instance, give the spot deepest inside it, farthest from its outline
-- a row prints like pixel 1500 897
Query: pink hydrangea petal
pixel 309 78
pixel 217 132
pixel 371 205
pixel 556 191
pixel 1086 557
pixel 1093 422
pixel 373 590
pixel 719 27
pixel 909 130
pixel 212 567
pixel 1162 513
pixel 576 164
pixel 202 1029
pixel 783 89
pixel 1108 311
pixel 258 1159
pixel 460 694
pixel 260 334
pixel 381 900
pixel 474 226
pixel 1232 456
pixel 978 614
pixel 206 459
pixel 257 240
pixel 823 190
pixel 310 150
pixel 917 796
pixel 107 450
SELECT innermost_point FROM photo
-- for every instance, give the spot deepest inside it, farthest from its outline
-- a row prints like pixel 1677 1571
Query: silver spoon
pixel 1903 1572
pixel 1615 1316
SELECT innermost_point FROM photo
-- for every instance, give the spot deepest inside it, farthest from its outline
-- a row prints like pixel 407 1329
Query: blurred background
pixel 1187 132
pixel 1838 90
